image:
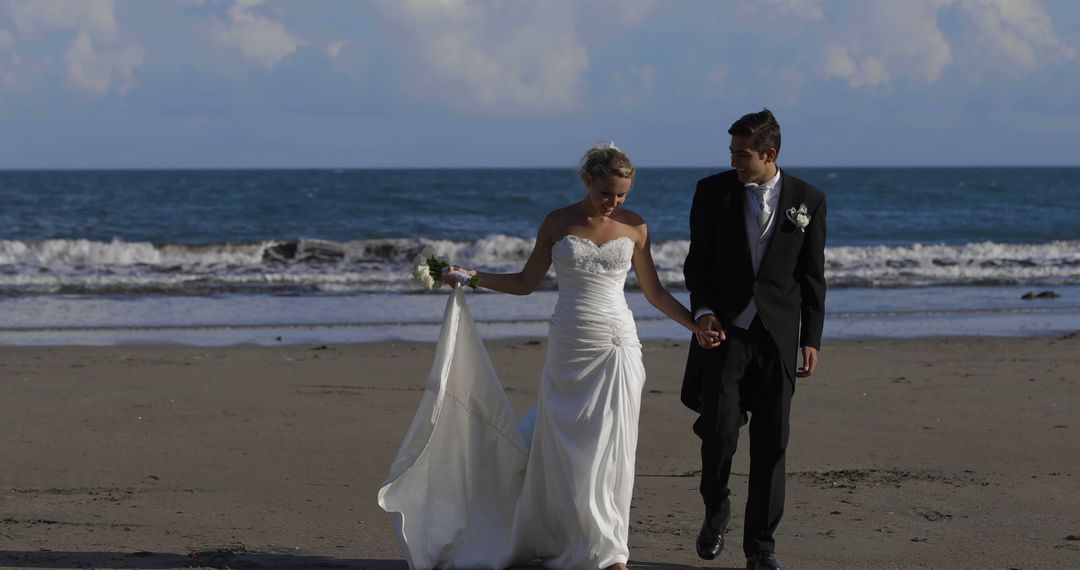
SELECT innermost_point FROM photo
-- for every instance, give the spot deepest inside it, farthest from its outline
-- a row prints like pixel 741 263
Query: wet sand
pixel 931 453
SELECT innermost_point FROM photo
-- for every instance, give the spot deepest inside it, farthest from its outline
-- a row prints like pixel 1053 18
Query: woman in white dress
pixel 474 492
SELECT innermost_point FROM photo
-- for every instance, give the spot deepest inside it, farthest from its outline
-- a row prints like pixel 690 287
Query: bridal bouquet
pixel 429 268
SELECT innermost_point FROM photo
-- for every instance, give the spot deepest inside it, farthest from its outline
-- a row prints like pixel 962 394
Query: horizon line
pixel 544 167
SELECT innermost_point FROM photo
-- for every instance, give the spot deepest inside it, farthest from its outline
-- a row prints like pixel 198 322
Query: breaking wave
pixel 84 267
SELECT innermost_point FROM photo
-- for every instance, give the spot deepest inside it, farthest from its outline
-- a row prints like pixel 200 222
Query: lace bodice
pixel 612 256
pixel 592 306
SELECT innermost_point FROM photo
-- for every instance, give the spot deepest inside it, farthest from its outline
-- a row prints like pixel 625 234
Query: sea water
pixel 266 256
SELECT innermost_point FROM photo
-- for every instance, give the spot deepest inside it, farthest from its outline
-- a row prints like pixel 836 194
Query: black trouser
pixel 745 375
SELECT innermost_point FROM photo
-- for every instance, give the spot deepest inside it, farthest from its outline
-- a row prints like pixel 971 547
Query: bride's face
pixel 607 194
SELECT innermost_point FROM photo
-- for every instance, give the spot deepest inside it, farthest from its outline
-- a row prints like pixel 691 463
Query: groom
pixel 756 275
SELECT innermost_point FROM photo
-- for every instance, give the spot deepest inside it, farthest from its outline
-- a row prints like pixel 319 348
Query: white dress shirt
pixel 758 239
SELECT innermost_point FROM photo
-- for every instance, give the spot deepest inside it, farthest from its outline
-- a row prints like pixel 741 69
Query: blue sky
pixel 416 83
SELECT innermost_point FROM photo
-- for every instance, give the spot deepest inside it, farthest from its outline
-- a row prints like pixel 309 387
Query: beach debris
pixel 931 515
pixel 867 478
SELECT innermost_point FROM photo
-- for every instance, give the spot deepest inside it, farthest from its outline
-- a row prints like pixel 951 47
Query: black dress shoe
pixel 709 542
pixel 763 561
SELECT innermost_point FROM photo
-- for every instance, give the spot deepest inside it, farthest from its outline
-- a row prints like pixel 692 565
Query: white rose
pixel 802 220
pixel 427 281
pixel 420 271
pixel 419 259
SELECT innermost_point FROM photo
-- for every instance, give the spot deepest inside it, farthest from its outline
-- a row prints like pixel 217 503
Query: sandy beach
pixel 933 453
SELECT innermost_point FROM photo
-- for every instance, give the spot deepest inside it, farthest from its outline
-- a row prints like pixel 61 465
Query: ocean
pixel 267 256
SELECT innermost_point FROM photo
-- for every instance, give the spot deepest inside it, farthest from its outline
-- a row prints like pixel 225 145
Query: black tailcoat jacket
pixel 789 287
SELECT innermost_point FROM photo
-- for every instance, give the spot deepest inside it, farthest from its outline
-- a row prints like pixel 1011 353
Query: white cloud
pixel 96 70
pixel 94 16
pixel 96 58
pixel 333 49
pixel 492 57
pixel 883 40
pixel 867 72
pixel 258 38
pixel 1017 30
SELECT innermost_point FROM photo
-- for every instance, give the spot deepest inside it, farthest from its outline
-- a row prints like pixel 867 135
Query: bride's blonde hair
pixel 605 160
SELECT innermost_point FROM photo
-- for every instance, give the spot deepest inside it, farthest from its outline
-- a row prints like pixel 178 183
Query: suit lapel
pixel 790 195
pixel 738 222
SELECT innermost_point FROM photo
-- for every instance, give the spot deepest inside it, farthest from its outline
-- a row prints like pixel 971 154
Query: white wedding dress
pixel 471 488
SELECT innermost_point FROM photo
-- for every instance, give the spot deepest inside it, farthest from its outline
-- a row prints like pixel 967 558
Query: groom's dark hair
pixel 761 127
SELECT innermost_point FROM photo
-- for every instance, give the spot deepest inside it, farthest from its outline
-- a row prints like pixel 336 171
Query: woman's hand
pixel 448 278
pixel 709 333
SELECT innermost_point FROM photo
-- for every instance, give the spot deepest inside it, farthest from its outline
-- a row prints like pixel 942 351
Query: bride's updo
pixel 605 160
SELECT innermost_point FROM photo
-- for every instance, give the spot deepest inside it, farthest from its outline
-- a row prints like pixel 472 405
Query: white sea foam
pixel 382 265
pixel 58 253
pixel 987 263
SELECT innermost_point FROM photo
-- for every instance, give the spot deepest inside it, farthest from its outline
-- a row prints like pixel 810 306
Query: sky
pixel 520 83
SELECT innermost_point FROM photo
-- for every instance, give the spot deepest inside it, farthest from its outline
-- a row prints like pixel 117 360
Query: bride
pixel 470 489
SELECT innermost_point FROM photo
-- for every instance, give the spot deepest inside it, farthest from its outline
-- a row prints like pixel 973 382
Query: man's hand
pixel 810 360
pixel 709 332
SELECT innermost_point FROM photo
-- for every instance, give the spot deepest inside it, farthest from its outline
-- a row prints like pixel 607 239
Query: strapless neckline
pixel 591 242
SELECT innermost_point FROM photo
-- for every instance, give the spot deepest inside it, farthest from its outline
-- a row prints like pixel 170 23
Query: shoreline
pixel 999 325
pixel 343 319
pixel 905 453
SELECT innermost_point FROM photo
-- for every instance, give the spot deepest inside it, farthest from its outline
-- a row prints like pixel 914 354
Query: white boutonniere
pixel 800 217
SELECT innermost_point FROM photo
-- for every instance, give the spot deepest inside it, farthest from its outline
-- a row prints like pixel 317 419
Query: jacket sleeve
pixel 811 277
pixel 702 241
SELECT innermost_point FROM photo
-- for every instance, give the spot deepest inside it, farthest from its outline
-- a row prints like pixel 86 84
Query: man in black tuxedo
pixel 756 275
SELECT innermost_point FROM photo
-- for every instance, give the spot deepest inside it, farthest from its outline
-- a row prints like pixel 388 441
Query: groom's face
pixel 749 164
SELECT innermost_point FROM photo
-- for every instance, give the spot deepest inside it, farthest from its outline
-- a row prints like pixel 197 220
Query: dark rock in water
pixel 302 250
pixel 321 251
pixel 1028 296
pixel 1049 295
pixel 385 251
pixel 281 251
pixel 902 263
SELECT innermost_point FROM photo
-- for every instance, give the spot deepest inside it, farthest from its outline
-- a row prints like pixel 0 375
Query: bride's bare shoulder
pixel 556 224
pixel 559 218
pixel 564 213
pixel 636 228
pixel 630 218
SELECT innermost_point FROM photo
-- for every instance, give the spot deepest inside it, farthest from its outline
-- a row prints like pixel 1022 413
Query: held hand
pixel 448 277
pixel 810 360
pixel 709 333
